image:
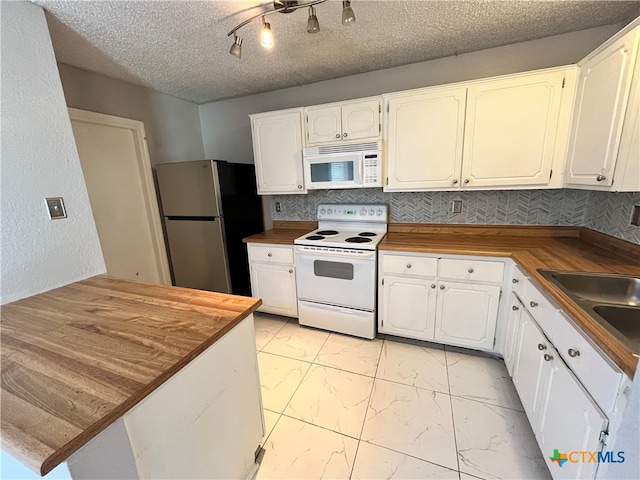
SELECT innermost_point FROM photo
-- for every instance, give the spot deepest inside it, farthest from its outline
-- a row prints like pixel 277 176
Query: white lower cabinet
pixel 273 278
pixel 569 420
pixel 419 301
pixel 561 410
pixel 513 322
pixel 408 307
pixel 527 375
pixel 466 314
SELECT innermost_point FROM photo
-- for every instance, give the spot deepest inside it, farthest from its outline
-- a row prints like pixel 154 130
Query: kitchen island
pixel 121 379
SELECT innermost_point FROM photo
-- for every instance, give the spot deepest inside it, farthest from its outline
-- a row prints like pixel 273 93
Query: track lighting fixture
pixel 348 17
pixel 236 48
pixel 286 6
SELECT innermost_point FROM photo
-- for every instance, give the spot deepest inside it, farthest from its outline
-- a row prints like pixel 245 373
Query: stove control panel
pixel 368 212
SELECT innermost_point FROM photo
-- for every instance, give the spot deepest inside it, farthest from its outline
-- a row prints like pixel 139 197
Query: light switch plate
pixel 456 206
pixel 55 207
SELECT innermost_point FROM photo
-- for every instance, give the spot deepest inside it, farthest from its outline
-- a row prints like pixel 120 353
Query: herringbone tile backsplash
pixel 607 212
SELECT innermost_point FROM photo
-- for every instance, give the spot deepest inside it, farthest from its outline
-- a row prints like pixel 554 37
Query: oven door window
pixel 332 172
pixel 340 270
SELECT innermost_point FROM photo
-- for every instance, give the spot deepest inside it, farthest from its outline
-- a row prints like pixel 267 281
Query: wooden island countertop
pixel 76 358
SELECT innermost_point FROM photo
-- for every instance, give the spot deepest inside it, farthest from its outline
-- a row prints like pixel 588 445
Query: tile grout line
pixel 366 412
pixel 453 421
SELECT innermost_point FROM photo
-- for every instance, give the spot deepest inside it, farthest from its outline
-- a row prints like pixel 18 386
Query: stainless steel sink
pixel 611 300
pixel 617 289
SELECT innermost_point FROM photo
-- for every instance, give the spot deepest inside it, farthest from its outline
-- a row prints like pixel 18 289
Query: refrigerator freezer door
pixel 197 254
pixel 189 189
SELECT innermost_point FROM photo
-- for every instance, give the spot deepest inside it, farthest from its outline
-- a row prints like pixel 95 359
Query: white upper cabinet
pixel 605 118
pixel 277 150
pixel 511 131
pixel 502 133
pixel 424 147
pixel 345 121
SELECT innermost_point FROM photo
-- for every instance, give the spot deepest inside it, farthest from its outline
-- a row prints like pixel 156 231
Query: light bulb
pixel 266 37
pixel 313 26
pixel 236 48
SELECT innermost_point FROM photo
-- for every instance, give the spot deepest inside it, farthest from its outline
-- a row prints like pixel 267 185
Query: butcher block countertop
pixel 76 358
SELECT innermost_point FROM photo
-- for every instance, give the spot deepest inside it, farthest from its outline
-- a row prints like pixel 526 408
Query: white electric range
pixel 336 269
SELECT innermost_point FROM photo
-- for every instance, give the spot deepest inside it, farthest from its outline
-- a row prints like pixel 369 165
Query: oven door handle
pixel 335 254
pixel 334 308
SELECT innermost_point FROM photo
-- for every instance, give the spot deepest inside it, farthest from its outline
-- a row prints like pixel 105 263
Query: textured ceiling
pixel 181 47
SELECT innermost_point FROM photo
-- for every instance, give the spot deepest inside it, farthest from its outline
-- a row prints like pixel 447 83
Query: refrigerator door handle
pixel 194 218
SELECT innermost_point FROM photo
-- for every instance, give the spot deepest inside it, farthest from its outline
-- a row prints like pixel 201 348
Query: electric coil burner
pixel 336 269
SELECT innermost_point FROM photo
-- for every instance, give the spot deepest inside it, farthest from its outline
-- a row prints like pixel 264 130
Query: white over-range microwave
pixel 358 165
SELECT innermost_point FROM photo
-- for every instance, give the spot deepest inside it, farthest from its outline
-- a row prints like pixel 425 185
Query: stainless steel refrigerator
pixel 209 206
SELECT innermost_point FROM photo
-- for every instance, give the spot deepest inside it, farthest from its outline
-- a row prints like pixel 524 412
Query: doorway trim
pixel 147 185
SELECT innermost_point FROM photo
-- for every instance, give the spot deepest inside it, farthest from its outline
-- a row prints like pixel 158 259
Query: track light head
pixel 236 48
pixel 348 17
pixel 266 37
pixel 313 26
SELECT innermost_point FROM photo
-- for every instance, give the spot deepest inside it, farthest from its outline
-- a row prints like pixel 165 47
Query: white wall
pixel 226 129
pixel 172 125
pixel 39 159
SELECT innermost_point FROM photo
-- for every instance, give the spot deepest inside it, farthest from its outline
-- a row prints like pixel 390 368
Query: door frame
pixel 146 176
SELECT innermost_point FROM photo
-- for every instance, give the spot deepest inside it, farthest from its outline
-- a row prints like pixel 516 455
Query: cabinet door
pixel 408 307
pixel 324 124
pixel 466 314
pixel 276 286
pixel 424 144
pixel 510 131
pixel 512 333
pixel 601 101
pixel 361 120
pixel 569 420
pixel 277 150
pixel 528 374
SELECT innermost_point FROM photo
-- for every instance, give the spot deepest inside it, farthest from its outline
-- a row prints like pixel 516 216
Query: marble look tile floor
pixel 342 407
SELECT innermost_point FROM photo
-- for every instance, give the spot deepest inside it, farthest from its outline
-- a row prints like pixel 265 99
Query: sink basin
pixel 611 300
pixel 617 289
pixel 624 319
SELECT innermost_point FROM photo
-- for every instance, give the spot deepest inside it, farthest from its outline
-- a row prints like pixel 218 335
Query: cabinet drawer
pixel 270 253
pixel 517 282
pixel 597 374
pixel 408 265
pixel 481 270
pixel 541 309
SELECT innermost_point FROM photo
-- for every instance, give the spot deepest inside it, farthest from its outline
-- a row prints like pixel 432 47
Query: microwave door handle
pixel 361 179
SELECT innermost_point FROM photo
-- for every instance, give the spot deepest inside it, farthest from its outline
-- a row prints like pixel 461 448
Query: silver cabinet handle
pixel 455 181
pixel 269 254
pixel 601 178
pixel 515 308
pixel 433 285
pixel 466 180
pixel 542 346
pixel 290 271
pixel 337 135
pixel 470 270
pixel 573 353
pixel 533 304
pixel 408 265
pixel 441 287
pixel 344 135
pixel 515 280
pixel 547 357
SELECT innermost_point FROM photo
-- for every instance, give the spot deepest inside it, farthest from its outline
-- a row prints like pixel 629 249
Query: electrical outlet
pixel 635 216
pixel 456 206
pixel 55 207
pixel 278 207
